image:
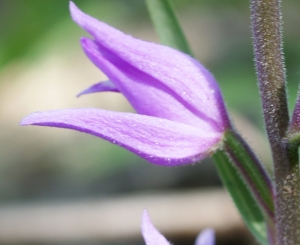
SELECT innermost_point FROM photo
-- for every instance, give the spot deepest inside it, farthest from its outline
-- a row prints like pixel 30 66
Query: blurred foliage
pixel 24 23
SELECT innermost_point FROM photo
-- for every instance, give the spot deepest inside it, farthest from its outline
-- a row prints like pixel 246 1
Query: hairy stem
pixel 266 25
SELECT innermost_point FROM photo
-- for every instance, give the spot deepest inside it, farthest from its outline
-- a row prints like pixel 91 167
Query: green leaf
pixel 241 196
pixel 251 170
pixel 167 26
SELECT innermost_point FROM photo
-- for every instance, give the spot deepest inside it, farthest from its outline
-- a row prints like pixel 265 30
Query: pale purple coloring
pixel 153 237
pixel 181 116
pixel 206 237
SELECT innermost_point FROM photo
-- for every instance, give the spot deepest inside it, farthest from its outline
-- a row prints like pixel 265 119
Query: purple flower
pixel 181 114
pixel 153 237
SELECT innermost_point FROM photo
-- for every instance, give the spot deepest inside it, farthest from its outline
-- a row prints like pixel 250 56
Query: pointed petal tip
pixel 22 123
pixel 151 235
pixel 146 222
pixel 81 93
pixel 28 119
pixel 71 4
pixel 86 22
pixel 105 86
pixel 73 8
pixel 206 237
pixel 76 14
pixel 145 217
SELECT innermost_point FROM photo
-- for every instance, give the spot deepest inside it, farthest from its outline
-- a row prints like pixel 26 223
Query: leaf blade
pixel 167 25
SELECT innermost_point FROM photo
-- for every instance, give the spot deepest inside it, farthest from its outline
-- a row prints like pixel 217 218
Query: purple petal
pixel 148 100
pixel 150 233
pixel 151 67
pixel 206 237
pixel 104 86
pixel 160 141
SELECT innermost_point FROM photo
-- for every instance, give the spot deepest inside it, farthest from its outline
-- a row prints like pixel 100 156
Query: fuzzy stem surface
pixel 266 25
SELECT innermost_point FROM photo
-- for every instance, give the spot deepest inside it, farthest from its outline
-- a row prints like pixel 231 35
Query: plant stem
pixel 266 25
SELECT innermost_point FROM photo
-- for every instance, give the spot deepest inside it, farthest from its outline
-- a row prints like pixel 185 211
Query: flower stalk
pixel 266 25
pixel 251 170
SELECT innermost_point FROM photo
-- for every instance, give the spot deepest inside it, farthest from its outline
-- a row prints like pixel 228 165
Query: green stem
pixel 167 25
pixel 266 25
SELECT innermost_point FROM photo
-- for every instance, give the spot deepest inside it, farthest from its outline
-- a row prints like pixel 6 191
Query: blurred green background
pixel 42 67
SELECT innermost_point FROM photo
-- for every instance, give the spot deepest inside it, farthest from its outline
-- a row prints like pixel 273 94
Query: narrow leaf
pixel 251 170
pixel 167 25
pixel 241 196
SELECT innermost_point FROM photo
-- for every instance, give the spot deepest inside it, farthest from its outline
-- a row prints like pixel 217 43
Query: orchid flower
pixel 181 116
pixel 153 237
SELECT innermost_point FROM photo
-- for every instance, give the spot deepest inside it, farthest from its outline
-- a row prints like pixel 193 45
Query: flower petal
pixel 149 97
pixel 157 140
pixel 150 233
pixel 206 237
pixel 177 74
pixel 104 86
